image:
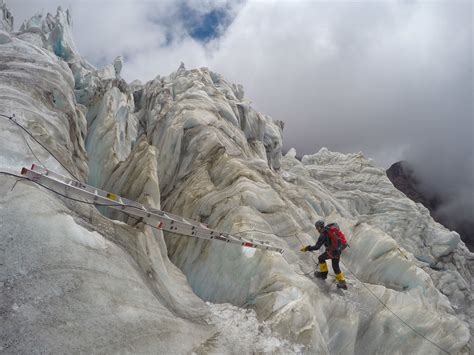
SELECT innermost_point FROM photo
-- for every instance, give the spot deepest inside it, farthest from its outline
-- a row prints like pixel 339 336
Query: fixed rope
pixel 391 311
pixel 367 288
pixel 13 120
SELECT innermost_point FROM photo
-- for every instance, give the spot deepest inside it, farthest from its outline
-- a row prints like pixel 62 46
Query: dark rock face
pixel 402 176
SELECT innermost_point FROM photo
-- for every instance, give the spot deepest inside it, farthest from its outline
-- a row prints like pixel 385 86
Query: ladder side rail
pixel 177 217
pixel 193 226
pixel 177 227
pixel 65 179
pixel 165 223
pixel 174 225
pixel 197 235
pixel 226 239
pixel 106 194
pixel 239 239
pixel 126 201
pixel 196 223
pixel 243 239
pixel 182 228
pixel 86 195
pixel 47 172
pixel 223 239
pixel 242 242
pixel 84 186
pixel 213 232
pixel 258 244
pixel 253 240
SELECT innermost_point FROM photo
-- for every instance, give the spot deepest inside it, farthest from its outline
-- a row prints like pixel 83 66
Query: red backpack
pixel 336 237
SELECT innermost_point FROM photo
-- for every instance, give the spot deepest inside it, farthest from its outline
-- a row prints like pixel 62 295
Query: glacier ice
pixel 5 37
pixel 112 131
pixel 71 275
pixel 6 21
pixel 244 334
pixel 192 144
pixel 55 31
pixel 36 87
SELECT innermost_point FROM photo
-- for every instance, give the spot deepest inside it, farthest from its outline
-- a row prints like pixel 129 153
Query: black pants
pixel 335 261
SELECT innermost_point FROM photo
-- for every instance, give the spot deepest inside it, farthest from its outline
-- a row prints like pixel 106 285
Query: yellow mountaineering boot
pixel 341 282
pixel 323 271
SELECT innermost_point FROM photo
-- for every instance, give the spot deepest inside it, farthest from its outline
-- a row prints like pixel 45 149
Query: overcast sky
pixel 393 79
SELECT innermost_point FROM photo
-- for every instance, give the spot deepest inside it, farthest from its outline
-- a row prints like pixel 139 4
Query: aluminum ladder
pixel 162 220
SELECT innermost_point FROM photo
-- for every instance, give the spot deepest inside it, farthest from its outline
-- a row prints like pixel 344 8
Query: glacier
pixel 76 279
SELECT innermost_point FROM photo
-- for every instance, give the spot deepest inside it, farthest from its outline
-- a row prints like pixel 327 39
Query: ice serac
pixel 111 126
pixel 191 113
pixel 55 32
pixel 137 179
pixel 6 21
pixel 37 87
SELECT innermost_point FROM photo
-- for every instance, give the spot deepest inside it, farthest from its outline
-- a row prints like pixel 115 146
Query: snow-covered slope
pixel 71 279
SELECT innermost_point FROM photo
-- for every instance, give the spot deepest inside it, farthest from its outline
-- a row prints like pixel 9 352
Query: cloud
pixel 360 76
pixel 141 31
pixel 393 79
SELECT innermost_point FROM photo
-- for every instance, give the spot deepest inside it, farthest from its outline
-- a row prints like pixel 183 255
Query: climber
pixel 333 239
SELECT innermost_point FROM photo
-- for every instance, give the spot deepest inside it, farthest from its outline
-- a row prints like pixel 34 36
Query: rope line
pixel 396 315
pixel 245 231
pixel 363 284
pixel 19 177
pixel 12 119
pixel 31 150
pixel 116 240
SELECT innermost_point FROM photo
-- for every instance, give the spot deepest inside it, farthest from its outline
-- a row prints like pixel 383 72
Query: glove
pixel 303 249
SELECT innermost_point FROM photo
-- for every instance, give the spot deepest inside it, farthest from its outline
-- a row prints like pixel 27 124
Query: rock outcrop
pixel 403 177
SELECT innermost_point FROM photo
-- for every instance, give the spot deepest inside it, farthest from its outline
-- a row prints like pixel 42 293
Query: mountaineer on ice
pixel 333 239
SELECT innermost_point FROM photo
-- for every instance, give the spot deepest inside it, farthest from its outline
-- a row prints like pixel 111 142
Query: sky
pixel 393 79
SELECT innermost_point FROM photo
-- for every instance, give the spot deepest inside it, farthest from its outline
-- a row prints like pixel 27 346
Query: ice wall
pixel 71 280
pixel 112 129
pixel 6 19
pixel 55 32
pixel 37 87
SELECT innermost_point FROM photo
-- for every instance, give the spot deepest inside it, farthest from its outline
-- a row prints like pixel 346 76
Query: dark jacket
pixel 325 239
pixel 322 240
